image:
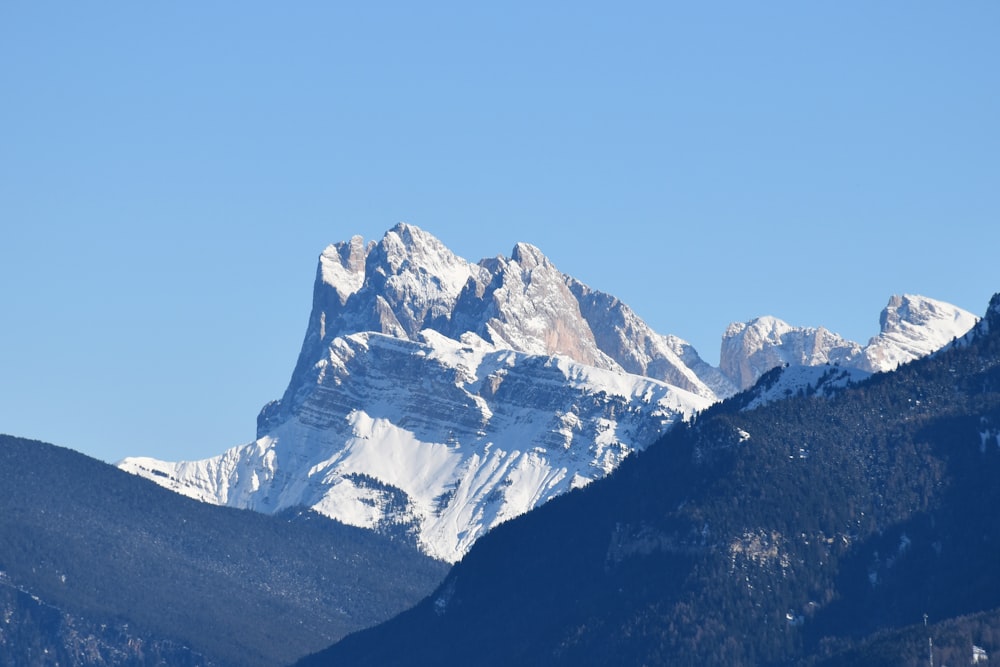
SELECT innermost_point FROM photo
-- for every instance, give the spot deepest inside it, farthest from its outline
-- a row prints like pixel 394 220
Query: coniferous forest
pixel 100 567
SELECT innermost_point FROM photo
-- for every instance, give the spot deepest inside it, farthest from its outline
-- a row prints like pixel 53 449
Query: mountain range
pixel 854 525
pixel 809 501
pixel 435 398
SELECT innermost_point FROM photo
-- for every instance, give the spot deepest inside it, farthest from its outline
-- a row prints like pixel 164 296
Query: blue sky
pixel 170 172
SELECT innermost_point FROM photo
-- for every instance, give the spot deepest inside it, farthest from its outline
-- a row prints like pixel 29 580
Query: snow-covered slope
pixel 446 437
pixel 441 397
pixel 783 382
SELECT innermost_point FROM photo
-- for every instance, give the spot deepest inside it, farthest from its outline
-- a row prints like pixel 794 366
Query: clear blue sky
pixel 169 173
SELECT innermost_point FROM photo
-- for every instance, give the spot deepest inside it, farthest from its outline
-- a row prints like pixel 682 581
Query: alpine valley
pixel 435 398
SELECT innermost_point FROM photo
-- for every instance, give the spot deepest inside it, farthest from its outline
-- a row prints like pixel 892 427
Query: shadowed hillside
pixel 102 548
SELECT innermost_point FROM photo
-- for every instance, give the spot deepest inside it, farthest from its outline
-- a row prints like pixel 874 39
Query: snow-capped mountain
pixel 409 281
pixel 444 397
pixel 441 397
pixel 751 349
pixel 911 327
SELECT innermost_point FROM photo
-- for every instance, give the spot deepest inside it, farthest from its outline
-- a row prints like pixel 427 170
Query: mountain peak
pixel 914 309
pixel 342 266
pixel 912 326
pixel 412 237
pixel 403 228
pixel 750 349
pixel 442 397
pixel 397 286
pixel 528 256
pixel 766 327
pixel 406 247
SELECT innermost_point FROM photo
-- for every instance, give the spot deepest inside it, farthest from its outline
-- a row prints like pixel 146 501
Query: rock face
pixel 749 350
pixel 523 303
pixel 911 327
pixel 439 397
pixel 621 334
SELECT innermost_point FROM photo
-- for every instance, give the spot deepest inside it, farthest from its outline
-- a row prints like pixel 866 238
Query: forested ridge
pixel 100 548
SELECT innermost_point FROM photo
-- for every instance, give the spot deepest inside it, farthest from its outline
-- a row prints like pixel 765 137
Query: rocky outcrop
pixel 911 327
pixel 751 349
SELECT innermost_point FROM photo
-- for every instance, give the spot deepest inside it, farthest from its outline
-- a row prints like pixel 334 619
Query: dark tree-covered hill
pixel 99 567
pixel 811 530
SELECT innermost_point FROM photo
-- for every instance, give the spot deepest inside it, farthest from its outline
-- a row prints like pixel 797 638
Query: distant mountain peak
pixel 528 256
pixel 408 248
pixel 751 349
pixel 766 326
pixel 410 233
pixel 911 309
pixel 911 327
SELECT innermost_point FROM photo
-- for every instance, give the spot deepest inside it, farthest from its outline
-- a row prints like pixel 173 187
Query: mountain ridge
pixel 92 556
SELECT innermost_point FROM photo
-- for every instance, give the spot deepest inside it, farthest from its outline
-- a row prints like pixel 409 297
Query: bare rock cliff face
pixel 522 303
pixel 749 350
pixel 911 327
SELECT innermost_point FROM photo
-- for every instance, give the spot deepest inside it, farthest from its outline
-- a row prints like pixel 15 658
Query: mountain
pixel 99 567
pixel 817 529
pixel 436 398
pixel 750 349
pixel 911 327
